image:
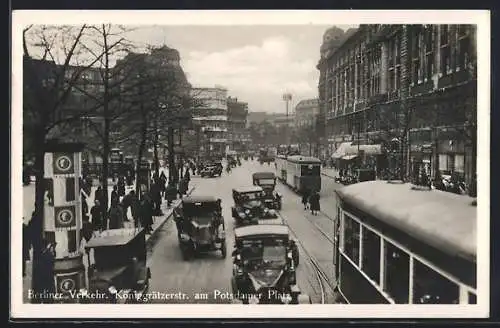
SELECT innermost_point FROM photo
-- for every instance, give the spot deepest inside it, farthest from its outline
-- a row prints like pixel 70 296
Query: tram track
pixel 320 274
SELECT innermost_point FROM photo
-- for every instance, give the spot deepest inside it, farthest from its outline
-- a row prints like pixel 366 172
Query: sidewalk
pixel 158 222
pixel 329 172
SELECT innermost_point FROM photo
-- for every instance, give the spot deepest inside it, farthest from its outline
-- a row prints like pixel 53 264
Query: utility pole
pixel 287 97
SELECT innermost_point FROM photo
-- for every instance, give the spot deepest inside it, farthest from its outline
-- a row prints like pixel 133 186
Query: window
pixel 472 298
pixel 309 170
pixel 445 50
pixel 459 163
pixel 430 287
pixel 397 273
pixel 443 162
pixel 371 255
pixel 351 238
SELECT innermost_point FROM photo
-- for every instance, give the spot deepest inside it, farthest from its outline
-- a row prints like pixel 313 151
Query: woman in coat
pixel 314 203
pixel 305 198
pixel 115 216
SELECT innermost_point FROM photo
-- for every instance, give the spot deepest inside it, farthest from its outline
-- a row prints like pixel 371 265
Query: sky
pixel 255 63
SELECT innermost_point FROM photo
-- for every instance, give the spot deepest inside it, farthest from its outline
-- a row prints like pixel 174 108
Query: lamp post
pixel 287 97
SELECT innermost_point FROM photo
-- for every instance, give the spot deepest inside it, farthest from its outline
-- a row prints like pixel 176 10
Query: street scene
pixel 250 164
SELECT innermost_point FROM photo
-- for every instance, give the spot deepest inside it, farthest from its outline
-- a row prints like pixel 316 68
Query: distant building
pixel 210 113
pixel 306 112
pixel 238 135
pixel 370 82
pixel 281 120
pixel 256 117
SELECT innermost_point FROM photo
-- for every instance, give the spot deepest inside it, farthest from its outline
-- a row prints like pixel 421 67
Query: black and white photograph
pixel 250 164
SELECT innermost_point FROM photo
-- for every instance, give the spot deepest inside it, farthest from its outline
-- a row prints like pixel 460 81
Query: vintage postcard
pixel 204 164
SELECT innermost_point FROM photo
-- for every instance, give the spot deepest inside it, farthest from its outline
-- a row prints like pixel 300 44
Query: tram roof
pixel 441 219
pixel 303 159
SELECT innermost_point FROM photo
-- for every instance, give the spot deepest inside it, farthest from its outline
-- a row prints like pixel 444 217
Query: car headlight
pixel 266 210
pixel 247 211
pixel 272 212
pixel 253 300
pixel 112 290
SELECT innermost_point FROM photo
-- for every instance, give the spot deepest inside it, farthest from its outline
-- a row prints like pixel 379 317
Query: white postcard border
pixel 256 17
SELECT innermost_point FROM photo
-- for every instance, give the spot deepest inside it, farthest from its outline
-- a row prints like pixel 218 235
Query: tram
pixel 395 244
pixel 299 172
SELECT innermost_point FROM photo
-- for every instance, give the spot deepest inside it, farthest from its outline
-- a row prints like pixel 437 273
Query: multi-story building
pixel 238 135
pixel 282 120
pixel 415 84
pixel 306 112
pixel 210 113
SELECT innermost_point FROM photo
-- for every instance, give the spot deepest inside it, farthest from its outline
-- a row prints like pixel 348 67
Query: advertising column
pixel 63 216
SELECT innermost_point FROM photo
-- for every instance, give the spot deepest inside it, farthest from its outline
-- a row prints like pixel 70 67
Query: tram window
pixel 309 169
pixel 371 255
pixel 472 298
pixel 397 273
pixel 430 287
pixel 351 238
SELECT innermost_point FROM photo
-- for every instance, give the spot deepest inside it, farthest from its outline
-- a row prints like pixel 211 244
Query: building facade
pixel 210 113
pixel 415 84
pixel 238 135
pixel 306 113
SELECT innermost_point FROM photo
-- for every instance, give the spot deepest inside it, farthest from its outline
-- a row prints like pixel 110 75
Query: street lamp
pixel 287 97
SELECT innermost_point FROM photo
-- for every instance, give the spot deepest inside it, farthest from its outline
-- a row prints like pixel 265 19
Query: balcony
pixel 393 95
pixel 422 88
pixel 454 78
pixel 213 129
pixel 377 99
pixel 210 118
pixel 218 140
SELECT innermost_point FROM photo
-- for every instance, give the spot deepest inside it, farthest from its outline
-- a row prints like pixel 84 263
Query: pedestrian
pixel 170 193
pixel 45 278
pixel 87 228
pixel 26 242
pixel 102 198
pixel 187 175
pixel 114 195
pixel 96 216
pixel 147 213
pixel 85 208
pixel 305 198
pixel 121 186
pixel 314 203
pixel 126 203
pixel 156 197
pixel 115 216
pixel 135 208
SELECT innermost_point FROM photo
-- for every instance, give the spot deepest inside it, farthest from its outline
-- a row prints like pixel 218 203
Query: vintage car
pixel 211 170
pixel 200 226
pixel 119 268
pixel 267 180
pixel 264 266
pixel 249 207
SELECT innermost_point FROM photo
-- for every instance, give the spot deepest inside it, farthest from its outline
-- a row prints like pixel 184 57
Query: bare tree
pixel 53 63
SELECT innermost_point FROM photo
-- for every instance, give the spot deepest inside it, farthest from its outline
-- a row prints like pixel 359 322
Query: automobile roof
pixel 246 189
pixel 303 159
pixel 261 230
pixel 115 237
pixel 263 175
pixel 199 199
pixel 441 219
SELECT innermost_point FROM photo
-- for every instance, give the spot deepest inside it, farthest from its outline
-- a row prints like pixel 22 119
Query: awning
pixel 341 150
pixel 349 157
